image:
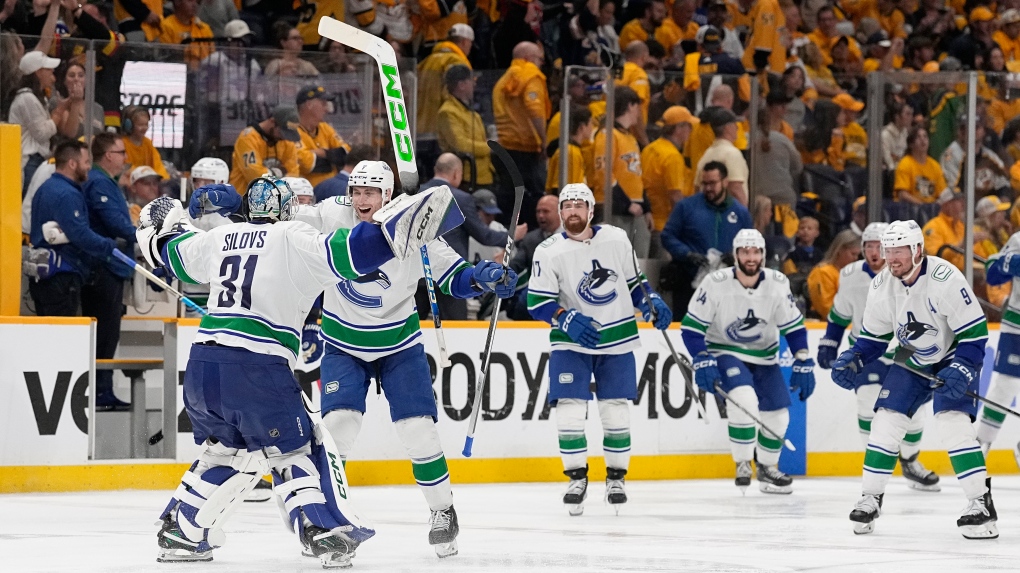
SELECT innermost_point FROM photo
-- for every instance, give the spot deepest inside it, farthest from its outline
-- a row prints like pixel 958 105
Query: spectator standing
pixel 718 16
pixel 521 22
pixel 138 20
pixel 894 135
pixel 705 221
pixel 579 153
pixel 978 39
pixel 823 281
pixel 184 26
pixel 103 292
pixel 855 139
pixel 666 177
pixel 74 89
pixel 764 45
pixel 143 188
pixel 229 71
pixel 438 17
pixel 217 13
pixel 321 149
pixel 722 150
pixel 946 228
pixel 461 130
pixel 140 150
pixel 779 181
pixel 678 26
pixel 29 110
pixel 336 186
pixel 653 13
pixel 635 78
pixel 267 146
pixel 918 177
pixel 289 64
pixel 548 216
pixel 432 92
pixel 520 104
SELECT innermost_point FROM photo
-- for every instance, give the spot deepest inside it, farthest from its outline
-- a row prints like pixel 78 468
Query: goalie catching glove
pixel 161 220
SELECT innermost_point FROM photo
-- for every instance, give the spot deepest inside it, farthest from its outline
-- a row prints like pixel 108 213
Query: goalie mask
pixel 270 198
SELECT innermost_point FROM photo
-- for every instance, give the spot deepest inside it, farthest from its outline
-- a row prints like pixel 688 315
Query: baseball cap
pixel 846 101
pixel 286 118
pixel 879 38
pixel 486 201
pixel 1011 16
pixel 948 194
pixel 236 29
pixel 311 92
pixel 860 202
pixel 678 114
pixel 143 171
pixel 711 36
pixel 35 60
pixel 462 31
pixel 930 67
pixel 990 204
pixel 981 14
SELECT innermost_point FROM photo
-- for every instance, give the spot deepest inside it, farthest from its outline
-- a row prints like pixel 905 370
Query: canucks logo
pixel 746 330
pixel 918 335
pixel 598 287
pixel 351 293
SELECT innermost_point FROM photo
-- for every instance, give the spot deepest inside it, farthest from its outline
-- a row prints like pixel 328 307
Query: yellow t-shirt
pixel 924 182
pixel 663 170
pixel 173 31
pixel 669 33
pixel 575 168
pixel 151 30
pixel 626 169
pixel 144 154
pixel 637 79
pixel 325 138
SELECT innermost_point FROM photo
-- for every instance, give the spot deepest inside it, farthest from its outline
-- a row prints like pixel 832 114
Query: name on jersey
pixel 246 240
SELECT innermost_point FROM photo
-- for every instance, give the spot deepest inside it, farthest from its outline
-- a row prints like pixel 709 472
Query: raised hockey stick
pixel 679 360
pixel 158 281
pixel 508 172
pixel 786 442
pixel 903 353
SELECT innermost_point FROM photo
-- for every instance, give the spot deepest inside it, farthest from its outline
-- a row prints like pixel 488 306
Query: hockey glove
pixel 217 198
pixel 580 328
pixel 311 344
pixel 1011 264
pixel 494 277
pixel 956 379
pixel 706 372
pixel 160 272
pixel 827 352
pixel 659 313
pixel 803 377
pixel 846 368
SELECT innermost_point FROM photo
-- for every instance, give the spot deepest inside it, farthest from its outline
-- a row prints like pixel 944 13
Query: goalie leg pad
pixel 1002 389
pixel 411 221
pixel 421 439
pixel 887 431
pixel 769 446
pixel 742 428
pixel 571 414
pixel 867 395
pixel 615 416
pixel 960 439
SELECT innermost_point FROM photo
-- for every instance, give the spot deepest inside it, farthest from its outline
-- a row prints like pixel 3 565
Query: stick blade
pixel 789 445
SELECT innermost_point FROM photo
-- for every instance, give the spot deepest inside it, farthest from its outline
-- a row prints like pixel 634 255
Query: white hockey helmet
pixel 578 192
pixel 902 234
pixel 375 174
pixel 270 198
pixel 747 238
pixel 873 232
pixel 210 168
pixel 300 186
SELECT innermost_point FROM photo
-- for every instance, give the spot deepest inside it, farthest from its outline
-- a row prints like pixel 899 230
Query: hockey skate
pixel 743 479
pixel 771 480
pixel 867 510
pixel 577 490
pixel 978 520
pixel 918 476
pixel 615 494
pixel 443 534
pixel 174 547
pixel 333 551
pixel 263 491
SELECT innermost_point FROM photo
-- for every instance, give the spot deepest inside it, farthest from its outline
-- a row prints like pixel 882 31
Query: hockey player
pixel 583 282
pixel 925 304
pixel 848 309
pixel 302 189
pixel 1003 267
pixel 732 330
pixel 239 389
pixel 370 328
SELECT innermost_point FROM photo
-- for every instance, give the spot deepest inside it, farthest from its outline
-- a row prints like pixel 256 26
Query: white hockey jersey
pixel 374 315
pixel 934 315
pixel 263 279
pixel 744 322
pixel 1010 318
pixel 585 275
pixel 851 298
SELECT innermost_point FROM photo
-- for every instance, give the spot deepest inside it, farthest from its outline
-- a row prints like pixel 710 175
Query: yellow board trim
pixel 48 320
pixel 165 476
pixel 10 218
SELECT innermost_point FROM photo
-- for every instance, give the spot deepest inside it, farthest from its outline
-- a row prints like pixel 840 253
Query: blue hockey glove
pixel 489 276
pixel 580 328
pixel 846 368
pixel 660 310
pixel 956 379
pixel 803 377
pixel 162 273
pixel 216 198
pixel 311 345
pixel 706 372
pixel 1011 264
pixel 827 352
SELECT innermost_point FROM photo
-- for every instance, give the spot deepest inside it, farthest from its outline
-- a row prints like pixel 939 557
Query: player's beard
pixel 575 225
pixel 751 270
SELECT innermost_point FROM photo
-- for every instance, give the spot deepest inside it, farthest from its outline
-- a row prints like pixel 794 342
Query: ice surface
pixel 667 526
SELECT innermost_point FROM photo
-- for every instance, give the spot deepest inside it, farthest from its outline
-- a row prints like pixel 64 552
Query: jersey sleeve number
pixel 538 269
pixel 230 268
pixel 966 296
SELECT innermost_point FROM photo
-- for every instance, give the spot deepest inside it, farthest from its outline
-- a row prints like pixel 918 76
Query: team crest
pixel 919 335
pixel 746 330
pixel 598 287
pixel 351 293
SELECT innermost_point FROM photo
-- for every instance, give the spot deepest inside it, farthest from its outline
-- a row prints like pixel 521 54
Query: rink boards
pixel 45 368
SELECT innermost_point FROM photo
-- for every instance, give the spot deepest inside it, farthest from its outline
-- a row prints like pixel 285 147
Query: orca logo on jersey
pixel 598 287
pixel 348 291
pixel 919 335
pixel 747 329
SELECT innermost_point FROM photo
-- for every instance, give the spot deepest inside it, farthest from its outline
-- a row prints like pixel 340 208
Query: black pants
pixel 102 297
pixel 533 172
pixel 59 295
pixel 677 277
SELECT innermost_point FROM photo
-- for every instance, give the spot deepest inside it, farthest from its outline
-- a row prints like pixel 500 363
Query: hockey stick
pixel 158 281
pixel 786 442
pixel 430 286
pixel 903 353
pixel 688 380
pixel 508 172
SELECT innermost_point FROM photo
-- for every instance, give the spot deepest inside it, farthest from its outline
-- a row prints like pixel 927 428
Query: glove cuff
pixel 828 342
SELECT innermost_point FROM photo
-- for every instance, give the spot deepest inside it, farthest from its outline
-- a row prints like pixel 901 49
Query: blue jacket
pixel 335 185
pixel 697 225
pixel 109 216
pixel 472 227
pixel 60 199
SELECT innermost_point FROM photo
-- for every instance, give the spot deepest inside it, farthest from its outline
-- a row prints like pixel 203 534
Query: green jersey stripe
pixel 371 337
pixel 769 352
pixel 445 286
pixel 251 327
pixel 340 254
pixel 610 335
pixel 176 264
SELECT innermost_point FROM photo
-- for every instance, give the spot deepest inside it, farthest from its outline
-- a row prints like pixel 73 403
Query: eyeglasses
pixel 121 151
